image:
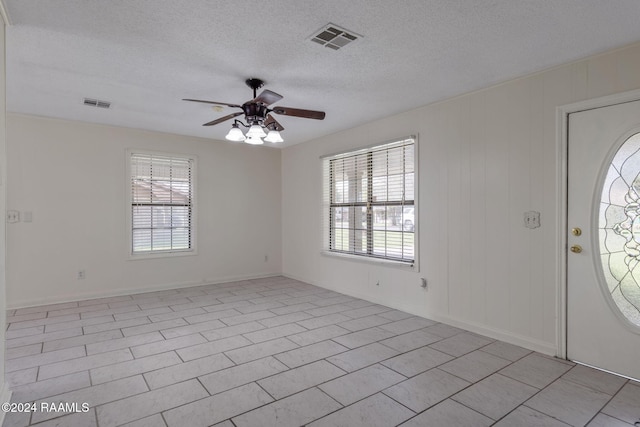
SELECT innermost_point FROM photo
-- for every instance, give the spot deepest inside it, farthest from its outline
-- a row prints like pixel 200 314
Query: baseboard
pixel 506 336
pixel 133 291
pixel 5 397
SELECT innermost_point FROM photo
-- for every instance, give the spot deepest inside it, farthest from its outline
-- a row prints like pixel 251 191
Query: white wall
pixel 484 159
pixel 4 388
pixel 71 176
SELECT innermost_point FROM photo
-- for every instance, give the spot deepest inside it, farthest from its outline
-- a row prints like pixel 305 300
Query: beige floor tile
pixel 603 420
pixel 364 337
pixel 202 327
pixel 155 326
pixel 411 341
pixel 98 320
pixel 625 405
pixel 167 345
pixel 213 347
pixel 92 396
pixel 81 340
pixel 133 367
pixel 258 351
pixel 360 384
pixel 495 396
pixel 152 421
pixel 108 326
pixel 320 321
pixel 293 411
pixel 460 344
pixel 375 411
pixel 123 343
pixel 27 350
pixel 50 387
pixel 83 363
pixel 527 417
pixel 417 361
pixel 425 390
pixel 44 337
pixel 235 376
pixel 81 419
pixel 570 402
pixel 273 333
pixel 21 377
pixel 536 370
pixel 449 413
pixel 217 408
pixel 364 323
pixel 506 350
pixel 358 358
pixel 206 316
pixel 311 353
pixel 407 325
pixel 44 358
pixel 149 403
pixel 474 366
pixel 248 342
pixel 298 379
pixel 595 379
pixel 285 319
pixel 186 371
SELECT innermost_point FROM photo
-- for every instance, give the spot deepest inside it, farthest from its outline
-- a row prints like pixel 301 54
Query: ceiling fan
pixel 258 116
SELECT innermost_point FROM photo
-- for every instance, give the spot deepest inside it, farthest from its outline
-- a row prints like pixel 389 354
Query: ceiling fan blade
pixel 213 102
pixel 297 112
pixel 222 119
pixel 267 97
pixel 275 126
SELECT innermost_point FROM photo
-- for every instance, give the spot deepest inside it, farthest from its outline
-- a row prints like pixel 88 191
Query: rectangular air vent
pixel 334 37
pixel 96 103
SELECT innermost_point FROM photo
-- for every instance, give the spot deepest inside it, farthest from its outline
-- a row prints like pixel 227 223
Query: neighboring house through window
pixel 369 202
pixel 162 193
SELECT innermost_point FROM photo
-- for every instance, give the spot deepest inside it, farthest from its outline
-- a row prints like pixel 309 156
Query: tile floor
pixel 278 352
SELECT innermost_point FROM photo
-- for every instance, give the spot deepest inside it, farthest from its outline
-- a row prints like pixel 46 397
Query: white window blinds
pixel 369 201
pixel 161 203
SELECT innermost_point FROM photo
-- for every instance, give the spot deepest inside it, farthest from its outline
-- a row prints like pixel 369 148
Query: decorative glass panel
pixel 619 229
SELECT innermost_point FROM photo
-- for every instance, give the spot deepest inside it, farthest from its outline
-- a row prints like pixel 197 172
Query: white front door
pixel 603 262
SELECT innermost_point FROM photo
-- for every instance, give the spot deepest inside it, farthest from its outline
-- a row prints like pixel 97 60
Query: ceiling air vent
pixel 334 37
pixel 96 103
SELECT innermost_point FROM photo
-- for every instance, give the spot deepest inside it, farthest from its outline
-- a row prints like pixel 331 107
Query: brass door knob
pixel 576 249
pixel 576 231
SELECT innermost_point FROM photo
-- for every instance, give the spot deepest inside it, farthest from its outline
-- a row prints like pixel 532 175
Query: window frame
pixel 129 204
pixel 328 205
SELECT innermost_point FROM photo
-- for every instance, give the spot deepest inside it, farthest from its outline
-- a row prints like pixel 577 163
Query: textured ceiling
pixel 145 55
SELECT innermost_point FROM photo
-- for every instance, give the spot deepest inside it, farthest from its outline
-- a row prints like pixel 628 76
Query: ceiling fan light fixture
pixel 254 140
pixel 256 131
pixel 235 134
pixel 274 136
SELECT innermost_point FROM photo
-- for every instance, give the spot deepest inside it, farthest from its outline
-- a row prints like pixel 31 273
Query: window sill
pixel 142 256
pixel 370 260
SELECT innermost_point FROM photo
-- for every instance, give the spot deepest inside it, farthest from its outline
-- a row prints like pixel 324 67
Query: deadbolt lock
pixel 576 231
pixel 576 249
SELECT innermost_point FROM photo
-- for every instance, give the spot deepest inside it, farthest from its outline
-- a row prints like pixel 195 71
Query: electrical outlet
pixel 13 216
pixel 532 219
pixel 81 274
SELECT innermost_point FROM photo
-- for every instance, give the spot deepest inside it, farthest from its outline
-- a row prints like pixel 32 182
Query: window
pixel 369 202
pixel 161 203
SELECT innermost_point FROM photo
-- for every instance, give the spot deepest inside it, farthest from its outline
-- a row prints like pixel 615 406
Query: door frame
pixel 562 192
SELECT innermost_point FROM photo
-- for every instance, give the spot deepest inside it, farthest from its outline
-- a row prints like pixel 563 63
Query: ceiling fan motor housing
pixel 255 113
